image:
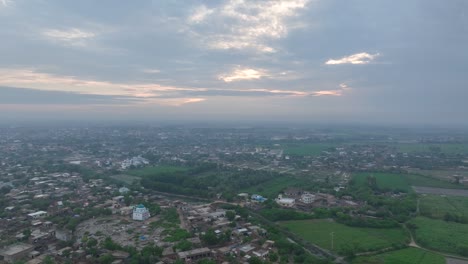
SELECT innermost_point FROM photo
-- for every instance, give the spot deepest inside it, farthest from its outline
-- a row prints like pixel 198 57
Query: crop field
pixel 402 182
pixel 362 239
pixel 403 256
pixel 440 235
pixel 436 206
pixel 447 148
pixel 308 149
pixel 149 171
pixel 446 175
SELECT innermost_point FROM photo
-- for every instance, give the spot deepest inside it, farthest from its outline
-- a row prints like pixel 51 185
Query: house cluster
pixel 246 240
pixel 298 198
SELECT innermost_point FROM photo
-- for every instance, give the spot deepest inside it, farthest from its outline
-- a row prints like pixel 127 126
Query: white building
pixel 140 213
pixel 286 202
pixel 308 198
pixel 37 215
pixel 135 161
pixel 124 190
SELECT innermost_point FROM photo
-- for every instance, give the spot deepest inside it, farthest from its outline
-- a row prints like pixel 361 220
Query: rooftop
pixel 15 249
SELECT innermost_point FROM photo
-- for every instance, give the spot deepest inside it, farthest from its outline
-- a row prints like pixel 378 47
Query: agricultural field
pixel 361 239
pixel 403 256
pixel 447 175
pixel 440 235
pixel 437 206
pixel 402 182
pixel 308 149
pixel 447 148
pixel 149 171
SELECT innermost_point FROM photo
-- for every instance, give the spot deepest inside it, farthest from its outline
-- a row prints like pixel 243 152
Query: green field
pixel 447 148
pixel 362 239
pixel 436 206
pixel 308 149
pixel 440 235
pixel 273 187
pixel 403 256
pixel 128 179
pixel 402 182
pixel 149 171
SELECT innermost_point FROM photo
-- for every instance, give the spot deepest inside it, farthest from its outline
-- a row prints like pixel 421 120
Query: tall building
pixel 140 213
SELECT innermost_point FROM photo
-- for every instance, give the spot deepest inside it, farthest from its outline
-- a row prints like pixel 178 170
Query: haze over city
pixel 299 60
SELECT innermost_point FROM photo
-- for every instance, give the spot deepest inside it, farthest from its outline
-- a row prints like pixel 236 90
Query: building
pixel 37 215
pixel 140 213
pixel 124 190
pixel 286 202
pixel 195 254
pixel 258 198
pixel 16 252
pixel 308 198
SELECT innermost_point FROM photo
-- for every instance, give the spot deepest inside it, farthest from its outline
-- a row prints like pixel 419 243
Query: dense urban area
pixel 188 194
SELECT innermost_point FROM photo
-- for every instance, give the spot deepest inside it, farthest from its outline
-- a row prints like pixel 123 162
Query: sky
pixel 366 61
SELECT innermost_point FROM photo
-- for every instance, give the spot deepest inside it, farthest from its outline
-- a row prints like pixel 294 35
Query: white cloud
pixel 5 3
pixel 72 36
pixel 199 14
pixel 242 74
pixel 242 25
pixel 151 71
pixel 358 58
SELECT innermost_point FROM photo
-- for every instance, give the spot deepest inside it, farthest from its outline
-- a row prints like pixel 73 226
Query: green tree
pixel 230 215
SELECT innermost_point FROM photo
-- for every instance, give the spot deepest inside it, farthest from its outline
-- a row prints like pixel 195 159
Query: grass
pixel 440 235
pixel 402 182
pixel 149 171
pixel 385 180
pixel 273 187
pixel 436 206
pixel 307 149
pixel 403 256
pixel 447 148
pixel 128 179
pixel 362 239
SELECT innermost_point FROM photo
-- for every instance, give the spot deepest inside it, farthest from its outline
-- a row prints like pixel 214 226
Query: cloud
pixel 358 58
pixel 242 74
pixel 5 3
pixel 12 96
pixel 246 25
pixel 328 92
pixel 199 14
pixel 151 71
pixel 51 88
pixel 72 36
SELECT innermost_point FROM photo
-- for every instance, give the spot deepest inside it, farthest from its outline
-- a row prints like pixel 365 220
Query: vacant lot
pixel 403 256
pixel 401 182
pixel 440 235
pixel 361 239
